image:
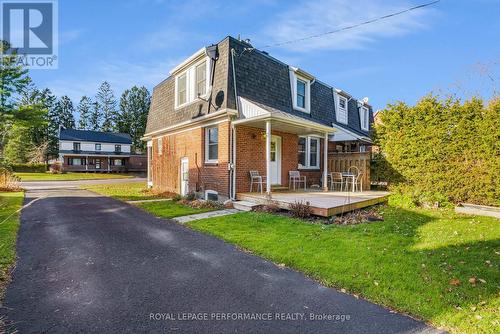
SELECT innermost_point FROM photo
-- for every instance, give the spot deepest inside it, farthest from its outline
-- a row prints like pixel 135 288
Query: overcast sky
pixel 452 47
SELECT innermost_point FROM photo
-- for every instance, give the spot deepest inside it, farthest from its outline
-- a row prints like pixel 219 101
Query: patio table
pixel 348 176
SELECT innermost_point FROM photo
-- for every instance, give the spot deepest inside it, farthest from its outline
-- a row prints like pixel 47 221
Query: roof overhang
pixel 256 116
pixel 302 73
pixel 343 134
pixel 198 55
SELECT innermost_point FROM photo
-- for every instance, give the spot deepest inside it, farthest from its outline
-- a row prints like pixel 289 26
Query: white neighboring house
pixel 85 150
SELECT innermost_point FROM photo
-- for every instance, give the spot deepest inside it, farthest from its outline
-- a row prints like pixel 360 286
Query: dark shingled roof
pixel 94 136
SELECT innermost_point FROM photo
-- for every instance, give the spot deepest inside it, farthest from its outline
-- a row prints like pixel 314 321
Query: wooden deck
pixel 324 204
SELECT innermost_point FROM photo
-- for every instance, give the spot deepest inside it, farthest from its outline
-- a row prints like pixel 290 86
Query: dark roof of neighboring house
pixel 95 136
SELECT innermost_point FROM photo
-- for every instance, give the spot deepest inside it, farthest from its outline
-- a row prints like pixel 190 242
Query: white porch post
pixel 86 162
pixel 268 157
pixel 325 163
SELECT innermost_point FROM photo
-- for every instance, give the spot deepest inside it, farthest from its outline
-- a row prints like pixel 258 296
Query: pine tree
pixel 84 110
pixel 65 109
pixel 134 107
pixel 107 103
pixel 50 101
pixel 95 117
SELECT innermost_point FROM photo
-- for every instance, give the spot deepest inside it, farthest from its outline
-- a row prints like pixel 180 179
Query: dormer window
pixel 364 118
pixel 342 109
pixel 201 79
pixel 301 90
pixel 181 86
pixel 192 83
pixel 301 93
pixel 77 147
pixel 97 147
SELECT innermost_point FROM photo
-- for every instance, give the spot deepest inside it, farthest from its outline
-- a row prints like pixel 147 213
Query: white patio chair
pixel 257 178
pixel 294 176
pixel 358 181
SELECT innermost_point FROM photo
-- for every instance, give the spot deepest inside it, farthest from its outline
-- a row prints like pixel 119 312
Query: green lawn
pixel 70 176
pixel 9 224
pixel 130 191
pixel 170 209
pixel 406 262
pixel 134 191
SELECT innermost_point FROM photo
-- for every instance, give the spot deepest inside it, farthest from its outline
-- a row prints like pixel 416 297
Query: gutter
pixel 232 137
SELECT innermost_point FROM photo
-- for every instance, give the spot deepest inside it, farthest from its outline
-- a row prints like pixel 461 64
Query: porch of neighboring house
pixel 98 164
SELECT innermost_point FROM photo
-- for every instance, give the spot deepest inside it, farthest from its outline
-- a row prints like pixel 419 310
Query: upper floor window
pixel 77 147
pixel 181 89
pixel 342 109
pixel 118 148
pixel 192 83
pixel 301 92
pixel 308 152
pixel 364 118
pixel 201 79
pixel 212 144
pixel 97 147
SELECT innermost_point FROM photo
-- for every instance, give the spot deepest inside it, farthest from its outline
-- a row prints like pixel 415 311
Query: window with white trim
pixel 192 83
pixel 364 118
pixel 212 144
pixel 308 152
pixel 181 84
pixel 97 147
pixel 160 145
pixel 301 92
pixel 201 79
pixel 342 109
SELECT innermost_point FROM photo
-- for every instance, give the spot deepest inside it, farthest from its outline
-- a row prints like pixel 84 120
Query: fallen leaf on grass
pixel 472 280
pixel 455 282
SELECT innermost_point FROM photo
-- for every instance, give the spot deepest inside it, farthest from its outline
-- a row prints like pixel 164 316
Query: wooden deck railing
pixel 340 162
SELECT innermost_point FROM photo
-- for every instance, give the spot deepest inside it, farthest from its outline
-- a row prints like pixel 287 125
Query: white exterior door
pixel 184 176
pixel 275 160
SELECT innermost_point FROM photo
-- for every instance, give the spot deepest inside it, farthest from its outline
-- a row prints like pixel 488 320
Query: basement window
pixel 211 195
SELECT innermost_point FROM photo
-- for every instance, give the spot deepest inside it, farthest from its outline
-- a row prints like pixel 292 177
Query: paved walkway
pixel 32 185
pixel 92 264
pixel 198 216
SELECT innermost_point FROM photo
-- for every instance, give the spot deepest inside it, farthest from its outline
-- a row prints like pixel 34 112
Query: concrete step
pixel 244 205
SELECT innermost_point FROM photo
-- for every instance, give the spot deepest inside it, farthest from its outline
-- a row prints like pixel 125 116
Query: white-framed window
pixel 212 144
pixel 192 83
pixel 160 145
pixel 201 79
pixel 211 195
pixel 97 147
pixel 342 109
pixel 77 146
pixel 364 118
pixel 301 92
pixel 308 152
pixel 181 88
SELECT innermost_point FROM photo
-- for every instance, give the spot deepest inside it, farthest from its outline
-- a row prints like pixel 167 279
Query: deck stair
pixel 244 205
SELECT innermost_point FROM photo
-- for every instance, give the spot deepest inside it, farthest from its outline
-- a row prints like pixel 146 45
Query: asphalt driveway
pixel 93 264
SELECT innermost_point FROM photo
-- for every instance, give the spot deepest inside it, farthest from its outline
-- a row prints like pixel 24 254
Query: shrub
pixel 8 182
pixel 56 168
pixel 300 210
pixel 29 168
pixel 440 151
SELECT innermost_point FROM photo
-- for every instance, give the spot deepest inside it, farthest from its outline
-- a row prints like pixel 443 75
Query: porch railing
pixel 340 162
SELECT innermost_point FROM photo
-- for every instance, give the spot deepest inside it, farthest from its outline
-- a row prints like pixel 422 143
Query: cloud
pixel 315 17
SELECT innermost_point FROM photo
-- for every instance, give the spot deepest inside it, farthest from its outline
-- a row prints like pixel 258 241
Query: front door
pixel 275 160
pixel 184 176
pixel 97 163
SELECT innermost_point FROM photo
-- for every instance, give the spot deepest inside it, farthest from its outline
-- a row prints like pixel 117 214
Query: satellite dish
pixel 219 99
pixel 365 100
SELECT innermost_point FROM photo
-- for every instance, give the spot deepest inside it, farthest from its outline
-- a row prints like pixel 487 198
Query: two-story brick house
pixel 94 151
pixel 230 109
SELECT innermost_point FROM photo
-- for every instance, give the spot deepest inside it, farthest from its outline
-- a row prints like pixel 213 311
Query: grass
pixel 9 225
pixel 130 191
pixel 415 261
pixel 135 191
pixel 70 176
pixel 171 209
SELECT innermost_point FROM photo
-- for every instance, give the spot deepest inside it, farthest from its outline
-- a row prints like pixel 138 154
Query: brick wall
pixel 251 155
pixel 190 144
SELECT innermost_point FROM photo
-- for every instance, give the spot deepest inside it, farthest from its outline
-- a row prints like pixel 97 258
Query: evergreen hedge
pixel 29 168
pixel 441 150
